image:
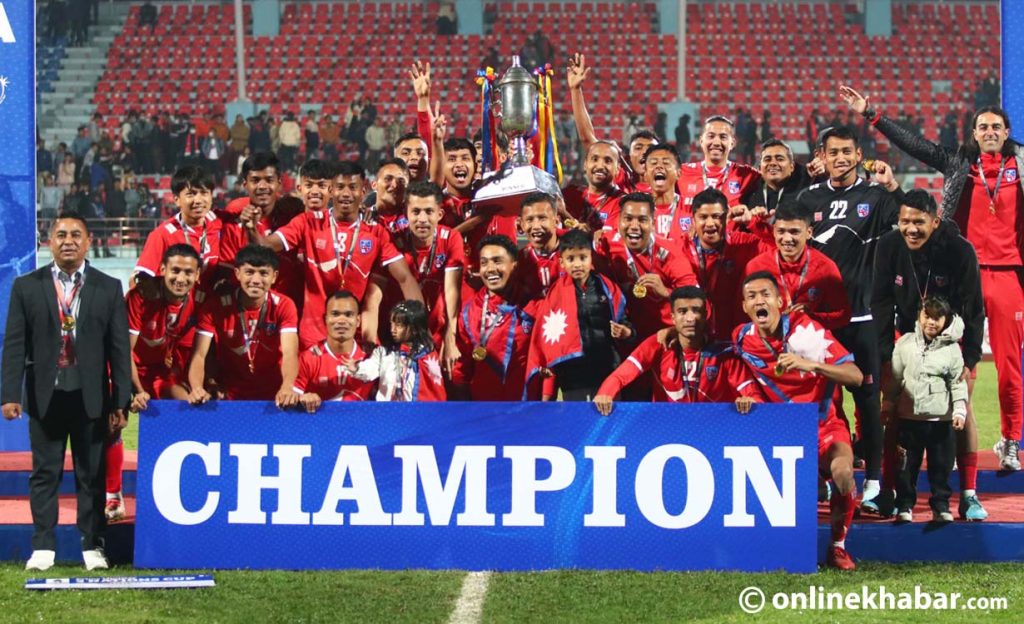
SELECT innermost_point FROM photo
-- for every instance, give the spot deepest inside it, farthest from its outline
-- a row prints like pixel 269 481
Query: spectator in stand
pixel 987 93
pixel 948 132
pixel 99 176
pixel 192 153
pixel 376 143
pixel 330 136
pixel 545 51
pixel 141 142
pixel 493 59
pixel 766 126
pixel 148 16
pixel 56 20
pixel 238 136
pixel 44 159
pixel 66 172
pixel 290 135
pixel 116 208
pixel 213 151
pixel 274 127
pixel 312 135
pixel 81 144
pixel 661 124
pixel 132 200
pixel 259 133
pixel 683 138
pixel 50 197
pixel 815 124
pixel 79 14
pixel 746 137
pixel 241 161
pixel 58 156
pixel 447 21
pixel 568 141
pixel 95 127
pixel 359 129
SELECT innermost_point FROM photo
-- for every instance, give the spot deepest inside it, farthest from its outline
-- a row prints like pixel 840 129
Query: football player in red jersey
pixel 538 266
pixel 436 255
pixel 733 179
pixel 324 373
pixel 256 334
pixel 494 331
pixel 719 255
pixel 798 360
pixel 265 206
pixel 629 176
pixel 596 207
pixel 645 266
pixel 453 168
pixel 341 251
pixel 161 332
pixel 809 279
pixel 194 224
pixel 389 207
pixel 691 369
pixel 672 217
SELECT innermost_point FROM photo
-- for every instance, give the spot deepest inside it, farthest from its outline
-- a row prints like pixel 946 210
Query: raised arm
pixel 577 74
pixel 419 73
pixel 437 137
pixel 931 154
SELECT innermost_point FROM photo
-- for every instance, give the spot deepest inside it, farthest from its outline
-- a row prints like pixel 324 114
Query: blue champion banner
pixel 477 486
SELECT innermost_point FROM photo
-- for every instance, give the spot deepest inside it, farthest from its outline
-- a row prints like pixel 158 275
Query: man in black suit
pixel 67 342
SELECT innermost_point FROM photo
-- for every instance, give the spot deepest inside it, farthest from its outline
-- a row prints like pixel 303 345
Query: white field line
pixel 470 605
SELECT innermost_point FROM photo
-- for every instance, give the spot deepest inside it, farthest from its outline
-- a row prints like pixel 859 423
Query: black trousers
pixel 937 439
pixel 861 339
pixel 66 418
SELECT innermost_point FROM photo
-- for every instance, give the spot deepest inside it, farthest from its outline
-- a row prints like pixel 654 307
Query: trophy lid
pixel 516 74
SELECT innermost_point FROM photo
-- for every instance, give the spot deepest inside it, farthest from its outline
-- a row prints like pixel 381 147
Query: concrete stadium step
pixel 15 468
pixel 16 532
pixel 990 478
pixel 1000 538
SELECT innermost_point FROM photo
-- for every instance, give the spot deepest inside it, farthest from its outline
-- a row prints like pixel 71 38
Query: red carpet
pixel 1000 507
pixel 22 461
pixel 15 510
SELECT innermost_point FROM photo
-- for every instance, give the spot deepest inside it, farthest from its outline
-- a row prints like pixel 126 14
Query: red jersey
pixel 331 249
pixel 734 180
pixel 455 209
pixel 173 231
pixel 720 273
pixel 506 225
pixel 429 265
pixel 649 313
pixel 164 329
pixel 813 280
pixel 326 373
pixel 504 331
pixel 536 271
pixel 221 318
pixel 393 223
pixel 595 209
pixel 714 374
pixel 996 235
pixel 805 337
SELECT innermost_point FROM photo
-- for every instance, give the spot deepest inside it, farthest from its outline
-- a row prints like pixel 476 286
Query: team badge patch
pixel 813 293
pixel 734 187
pixel 941 281
pixel 863 210
pixel 270 329
pixel 818 217
pixel 401 223
pixel 439 261
pixel 711 372
pixel 365 246
pixel 604 216
pixel 691 188
pixel 1011 175
pixel 899 280
pixel 321 243
pixel 685 223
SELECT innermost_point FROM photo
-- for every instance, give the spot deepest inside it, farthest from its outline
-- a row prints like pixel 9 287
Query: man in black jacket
pixel 927 256
pixel 983 193
pixel 780 177
pixel 67 342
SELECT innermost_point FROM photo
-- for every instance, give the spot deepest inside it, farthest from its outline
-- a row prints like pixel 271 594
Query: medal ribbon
pixel 671 217
pixel 485 330
pixel 994 193
pixel 631 263
pixel 202 237
pixel 66 301
pixel 803 274
pixel 251 338
pixel 704 173
pixel 686 378
pixel 785 335
pixel 343 266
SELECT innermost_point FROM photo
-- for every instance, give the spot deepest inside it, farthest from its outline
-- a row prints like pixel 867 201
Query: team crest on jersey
pixel 899 280
pixel 863 210
pixel 734 187
pixel 321 243
pixel 604 216
pixel 151 325
pixel 711 372
pixel 813 293
pixel 685 223
pixel 270 328
pixel 818 217
pixel 691 188
pixel 401 223
pixel 941 281
pixel 1011 175
pixel 365 246
pixel 439 261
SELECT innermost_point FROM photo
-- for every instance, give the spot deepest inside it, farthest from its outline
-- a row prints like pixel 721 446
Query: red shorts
pixel 158 382
pixel 833 431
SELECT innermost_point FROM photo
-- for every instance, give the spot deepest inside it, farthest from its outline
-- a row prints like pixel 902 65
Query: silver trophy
pixel 515 105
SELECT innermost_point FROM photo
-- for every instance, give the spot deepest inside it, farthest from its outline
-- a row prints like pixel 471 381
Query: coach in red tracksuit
pixel 984 194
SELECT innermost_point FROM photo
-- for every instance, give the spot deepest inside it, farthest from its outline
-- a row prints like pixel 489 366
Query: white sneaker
pixel 95 559
pixel 41 560
pixel 942 517
pixel 904 517
pixel 999 448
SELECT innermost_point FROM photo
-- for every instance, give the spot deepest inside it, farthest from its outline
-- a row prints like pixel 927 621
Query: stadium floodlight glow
pixel 353 482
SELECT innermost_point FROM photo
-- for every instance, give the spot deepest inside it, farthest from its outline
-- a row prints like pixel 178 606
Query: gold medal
pixel 252 367
pixel 68 324
pixel 779 370
pixel 869 165
pixel 992 207
pixel 639 291
pixel 570 223
pixel 480 353
pixel 168 360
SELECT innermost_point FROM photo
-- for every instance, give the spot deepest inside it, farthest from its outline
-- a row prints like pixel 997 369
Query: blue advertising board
pixel 17 166
pixel 477 486
pixel 1012 20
